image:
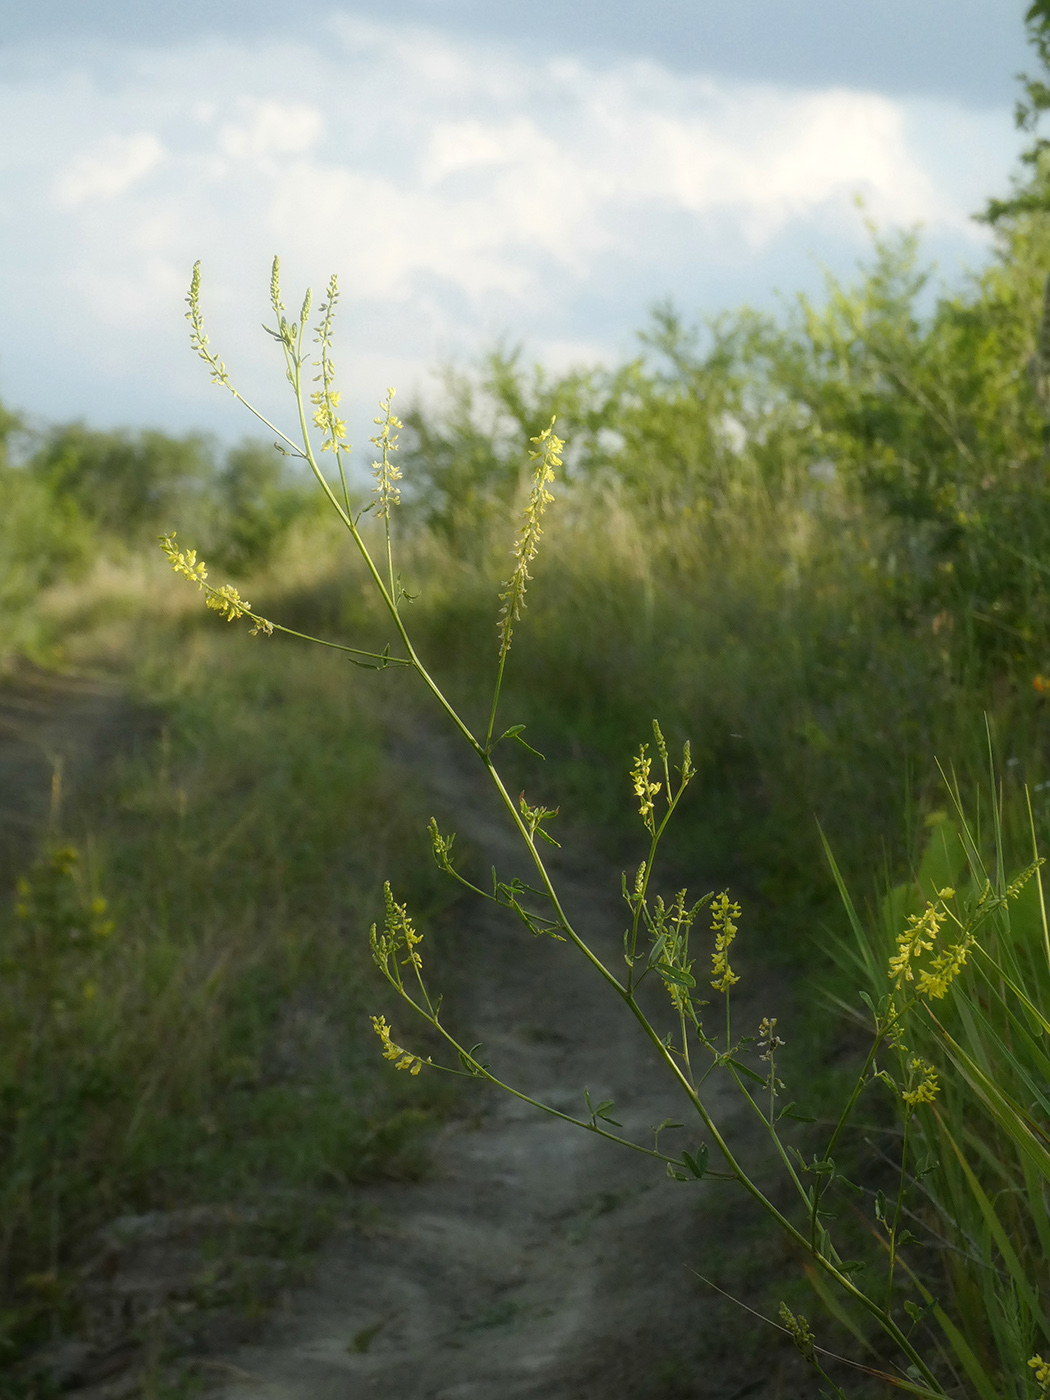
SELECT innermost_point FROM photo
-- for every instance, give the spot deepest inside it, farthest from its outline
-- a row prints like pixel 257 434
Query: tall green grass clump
pixel 960 956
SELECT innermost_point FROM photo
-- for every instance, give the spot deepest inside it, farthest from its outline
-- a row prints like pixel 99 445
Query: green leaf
pixel 677 975
pixel 602 1112
pixel 746 1070
pixel 468 1057
pixel 697 1164
pixel 515 732
pixel 915 1312
pixel 788 1111
pixel 869 1004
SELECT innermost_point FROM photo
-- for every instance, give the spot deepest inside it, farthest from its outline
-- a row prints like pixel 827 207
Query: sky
pixel 537 174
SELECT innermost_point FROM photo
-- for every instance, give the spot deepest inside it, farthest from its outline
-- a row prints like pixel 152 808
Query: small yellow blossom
pixel 228 603
pixel 333 429
pixel 944 969
pixel 547 456
pixel 184 562
pixel 644 790
pixel 402 1058
pixel 398 936
pixel 925 1091
pixel 723 914
pixel 386 471
pixel 225 600
pixel 1041 1369
pixel 918 937
pixel 801 1332
pixel 326 399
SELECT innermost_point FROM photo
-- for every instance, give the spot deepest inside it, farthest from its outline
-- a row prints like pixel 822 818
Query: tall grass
pixel 185 982
pixel 980 1152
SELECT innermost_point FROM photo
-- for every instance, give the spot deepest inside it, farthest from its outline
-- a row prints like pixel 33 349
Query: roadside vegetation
pixel 817 545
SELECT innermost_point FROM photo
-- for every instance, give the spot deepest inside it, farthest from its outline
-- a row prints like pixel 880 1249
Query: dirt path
pixel 56 732
pixel 537 1260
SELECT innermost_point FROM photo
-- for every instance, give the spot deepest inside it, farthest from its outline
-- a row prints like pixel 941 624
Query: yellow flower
pixel 925 1091
pixel 386 471
pixel 944 969
pixel 326 399
pixel 547 456
pixel 184 563
pixel 644 790
pixel 801 1332
pixel 404 1059
pixel 1042 1374
pixel 225 600
pixel 917 938
pixel 723 913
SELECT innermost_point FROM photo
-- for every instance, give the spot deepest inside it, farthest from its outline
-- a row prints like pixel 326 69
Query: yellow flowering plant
pixel 659 944
pixel 958 1006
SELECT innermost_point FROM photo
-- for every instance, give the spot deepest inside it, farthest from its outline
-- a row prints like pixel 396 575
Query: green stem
pixel 897 1209
pixel 495 699
pixel 338 646
pixel 657 833
pixel 881 1316
pixel 771 1128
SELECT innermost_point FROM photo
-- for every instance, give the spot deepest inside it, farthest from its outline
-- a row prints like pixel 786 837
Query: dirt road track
pixel 55 733
pixel 537 1262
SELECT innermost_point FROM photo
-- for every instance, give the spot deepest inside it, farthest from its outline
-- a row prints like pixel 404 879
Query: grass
pixel 203 1036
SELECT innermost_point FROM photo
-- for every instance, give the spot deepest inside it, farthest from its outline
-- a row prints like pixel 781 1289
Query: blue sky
pixel 541 173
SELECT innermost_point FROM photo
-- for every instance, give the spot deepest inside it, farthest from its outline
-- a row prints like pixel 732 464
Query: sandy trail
pixel 536 1260
pixel 57 733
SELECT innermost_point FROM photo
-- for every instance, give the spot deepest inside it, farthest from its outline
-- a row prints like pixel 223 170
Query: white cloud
pixel 109 170
pixel 458 191
pixel 273 128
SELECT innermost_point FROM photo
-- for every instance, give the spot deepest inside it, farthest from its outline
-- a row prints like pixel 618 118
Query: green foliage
pixel 1032 195
pixel 125 483
pixel 41 540
pixel 128 486
pixel 255 504
pixel 465 460
pixel 979 1151
pixel 183 992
